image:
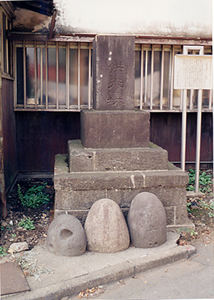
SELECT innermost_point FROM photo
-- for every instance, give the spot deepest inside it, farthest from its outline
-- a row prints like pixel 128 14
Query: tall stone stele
pixel 114 123
pixel 114 158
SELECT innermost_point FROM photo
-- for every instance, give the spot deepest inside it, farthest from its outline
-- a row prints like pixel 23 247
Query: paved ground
pixel 56 277
pixel 186 279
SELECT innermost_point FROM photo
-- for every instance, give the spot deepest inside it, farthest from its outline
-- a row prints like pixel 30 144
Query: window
pixel 154 68
pixel 53 76
pixel 58 76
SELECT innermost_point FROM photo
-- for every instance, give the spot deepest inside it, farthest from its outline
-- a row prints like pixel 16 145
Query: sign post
pixel 193 72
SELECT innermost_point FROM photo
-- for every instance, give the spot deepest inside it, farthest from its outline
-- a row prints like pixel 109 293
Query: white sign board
pixel 193 72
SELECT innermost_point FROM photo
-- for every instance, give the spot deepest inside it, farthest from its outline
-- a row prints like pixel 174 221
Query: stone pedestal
pixel 114 158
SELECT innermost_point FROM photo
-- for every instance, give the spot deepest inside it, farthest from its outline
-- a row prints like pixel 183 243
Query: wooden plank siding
pixel 42 135
pixel 166 132
pixel 9 132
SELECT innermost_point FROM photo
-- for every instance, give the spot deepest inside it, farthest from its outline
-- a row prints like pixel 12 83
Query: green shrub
pixel 34 197
pixel 204 181
pixel 3 251
pixel 26 223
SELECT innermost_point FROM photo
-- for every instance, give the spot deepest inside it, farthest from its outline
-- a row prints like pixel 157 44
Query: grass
pixel 34 197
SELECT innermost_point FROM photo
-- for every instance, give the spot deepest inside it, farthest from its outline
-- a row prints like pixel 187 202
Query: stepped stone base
pixel 83 159
pixel 82 183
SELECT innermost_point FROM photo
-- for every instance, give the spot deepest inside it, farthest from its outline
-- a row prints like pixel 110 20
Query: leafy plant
pixel 204 181
pixel 209 207
pixel 34 197
pixel 3 251
pixel 187 230
pixel 26 223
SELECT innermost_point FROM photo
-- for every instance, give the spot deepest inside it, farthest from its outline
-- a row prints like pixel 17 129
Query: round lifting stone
pixel 66 236
pixel 147 221
pixel 106 228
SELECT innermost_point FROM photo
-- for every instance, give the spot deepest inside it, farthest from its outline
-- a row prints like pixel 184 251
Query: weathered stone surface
pixel 119 180
pixel 66 236
pixel 83 159
pixel 115 129
pixel 77 191
pixel 18 247
pixel 113 72
pixel 79 214
pixel 147 221
pixel 106 228
pixel 71 199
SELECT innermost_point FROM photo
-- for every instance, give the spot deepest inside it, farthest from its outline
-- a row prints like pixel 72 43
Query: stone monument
pixel 114 158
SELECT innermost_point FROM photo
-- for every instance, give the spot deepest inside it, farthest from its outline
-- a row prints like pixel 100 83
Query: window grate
pixel 57 76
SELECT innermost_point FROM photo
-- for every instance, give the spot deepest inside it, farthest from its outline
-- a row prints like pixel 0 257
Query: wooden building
pixel 46 75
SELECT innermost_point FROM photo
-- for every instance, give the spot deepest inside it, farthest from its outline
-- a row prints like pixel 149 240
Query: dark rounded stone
pixel 147 221
pixel 66 236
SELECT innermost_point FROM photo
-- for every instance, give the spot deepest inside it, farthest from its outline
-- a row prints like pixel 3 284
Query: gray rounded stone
pixel 106 228
pixel 66 236
pixel 147 221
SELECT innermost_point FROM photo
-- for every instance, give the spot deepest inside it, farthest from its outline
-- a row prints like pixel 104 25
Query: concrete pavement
pixel 57 277
pixel 185 279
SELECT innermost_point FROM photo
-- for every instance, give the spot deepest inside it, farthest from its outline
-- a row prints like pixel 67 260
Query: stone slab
pixel 77 200
pixel 12 279
pixel 83 159
pixel 115 129
pixel 118 180
pixel 71 275
pixel 113 72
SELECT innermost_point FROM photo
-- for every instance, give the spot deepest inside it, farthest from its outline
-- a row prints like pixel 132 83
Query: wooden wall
pixel 9 133
pixel 166 132
pixel 42 135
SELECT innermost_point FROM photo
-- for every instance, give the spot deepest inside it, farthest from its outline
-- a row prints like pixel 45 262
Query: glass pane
pixel 62 76
pixel 137 77
pixel 205 98
pixel 84 76
pixel 148 96
pixel 73 77
pixel 51 76
pixel 38 58
pixel 43 74
pixel 30 76
pixel 157 78
pixel 19 76
pixel 177 93
pixel 166 75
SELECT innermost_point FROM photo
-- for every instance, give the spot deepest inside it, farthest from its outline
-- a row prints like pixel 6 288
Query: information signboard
pixel 193 72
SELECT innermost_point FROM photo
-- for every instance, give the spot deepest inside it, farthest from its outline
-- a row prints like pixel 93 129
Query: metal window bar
pixel 162 73
pixel 35 74
pixel 152 76
pixel 172 54
pixel 146 72
pixel 78 78
pixel 24 72
pixel 89 77
pixel 141 82
pixel 57 75
pixel 67 76
pixel 46 75
pixel 41 72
